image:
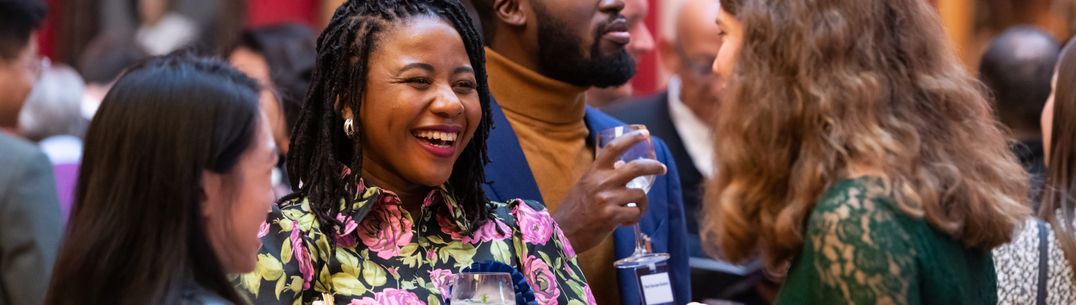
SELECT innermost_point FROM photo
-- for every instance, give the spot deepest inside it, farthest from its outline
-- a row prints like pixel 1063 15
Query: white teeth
pixel 437 135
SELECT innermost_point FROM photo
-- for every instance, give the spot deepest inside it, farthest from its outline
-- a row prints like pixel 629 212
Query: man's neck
pixel 525 92
pixel 515 50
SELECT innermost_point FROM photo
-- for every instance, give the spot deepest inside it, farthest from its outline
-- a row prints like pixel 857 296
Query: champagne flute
pixel 483 288
pixel 642 150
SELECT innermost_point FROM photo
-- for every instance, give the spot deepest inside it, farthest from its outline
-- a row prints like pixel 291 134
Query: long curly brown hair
pixel 821 85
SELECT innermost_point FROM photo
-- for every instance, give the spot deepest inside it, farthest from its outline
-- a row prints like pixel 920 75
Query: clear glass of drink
pixel 483 288
pixel 642 150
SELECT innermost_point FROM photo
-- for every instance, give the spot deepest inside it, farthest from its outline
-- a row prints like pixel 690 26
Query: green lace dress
pixel 860 249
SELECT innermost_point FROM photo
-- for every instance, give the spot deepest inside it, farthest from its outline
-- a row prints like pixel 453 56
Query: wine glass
pixel 642 150
pixel 483 288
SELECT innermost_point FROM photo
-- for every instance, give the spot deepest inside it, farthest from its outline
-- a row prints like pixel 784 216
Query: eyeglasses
pixel 698 66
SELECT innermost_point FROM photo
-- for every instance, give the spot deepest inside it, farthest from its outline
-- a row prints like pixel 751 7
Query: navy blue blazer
pixel 509 176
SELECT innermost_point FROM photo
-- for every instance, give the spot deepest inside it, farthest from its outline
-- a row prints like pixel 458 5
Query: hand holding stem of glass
pixel 642 150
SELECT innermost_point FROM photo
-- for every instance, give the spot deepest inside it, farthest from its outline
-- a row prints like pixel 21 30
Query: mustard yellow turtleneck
pixel 548 118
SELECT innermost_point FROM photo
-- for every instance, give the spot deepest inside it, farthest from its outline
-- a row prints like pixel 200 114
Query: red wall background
pixel 264 12
pixel 647 76
pixel 646 81
pixel 46 39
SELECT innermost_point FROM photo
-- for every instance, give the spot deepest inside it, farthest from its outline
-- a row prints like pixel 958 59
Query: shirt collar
pixel 693 132
pixel 370 197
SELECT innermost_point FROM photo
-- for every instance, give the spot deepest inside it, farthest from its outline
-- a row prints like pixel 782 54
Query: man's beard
pixel 560 56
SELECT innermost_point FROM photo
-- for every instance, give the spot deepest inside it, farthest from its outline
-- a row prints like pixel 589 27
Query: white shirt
pixel 694 133
pixel 172 32
pixel 62 149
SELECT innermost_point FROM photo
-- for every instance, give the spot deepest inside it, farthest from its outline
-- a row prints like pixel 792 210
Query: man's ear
pixel 511 12
pixel 669 57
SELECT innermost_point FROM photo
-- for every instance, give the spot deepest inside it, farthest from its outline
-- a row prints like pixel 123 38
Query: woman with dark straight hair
pixel 1036 268
pixel 1059 138
pixel 173 190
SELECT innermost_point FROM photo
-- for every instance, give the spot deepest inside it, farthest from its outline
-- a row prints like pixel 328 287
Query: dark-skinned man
pixel 542 56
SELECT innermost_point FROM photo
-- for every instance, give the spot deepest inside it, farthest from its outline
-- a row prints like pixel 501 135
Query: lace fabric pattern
pixel 859 248
pixel 864 256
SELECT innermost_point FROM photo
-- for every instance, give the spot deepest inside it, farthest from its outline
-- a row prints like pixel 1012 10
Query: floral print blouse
pixel 385 256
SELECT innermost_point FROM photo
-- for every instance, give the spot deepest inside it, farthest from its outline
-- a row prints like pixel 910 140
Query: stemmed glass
pixel 642 150
pixel 483 288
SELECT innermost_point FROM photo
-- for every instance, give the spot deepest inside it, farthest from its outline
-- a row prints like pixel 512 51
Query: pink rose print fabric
pixel 385 230
pixel 537 226
pixel 390 296
pixel 377 253
pixel 542 280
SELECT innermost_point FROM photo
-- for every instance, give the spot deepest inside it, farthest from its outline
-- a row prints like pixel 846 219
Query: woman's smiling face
pixel 421 105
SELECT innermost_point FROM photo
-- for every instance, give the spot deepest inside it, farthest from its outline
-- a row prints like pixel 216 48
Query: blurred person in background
pixel 53 107
pixel 856 156
pixel 160 29
pixel 52 117
pixel 642 43
pixel 217 23
pixel 281 58
pixel 173 190
pixel 101 63
pixel 1036 267
pixel 29 210
pixel 681 115
pixel 1016 68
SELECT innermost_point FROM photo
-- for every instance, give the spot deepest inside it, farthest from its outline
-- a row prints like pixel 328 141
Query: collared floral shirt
pixel 383 256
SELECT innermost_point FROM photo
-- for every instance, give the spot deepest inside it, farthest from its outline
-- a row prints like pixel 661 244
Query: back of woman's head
pixel 824 85
pixel 319 145
pixel 136 233
pixel 1059 193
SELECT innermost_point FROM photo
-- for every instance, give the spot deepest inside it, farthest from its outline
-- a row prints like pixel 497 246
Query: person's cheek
pixel 1046 122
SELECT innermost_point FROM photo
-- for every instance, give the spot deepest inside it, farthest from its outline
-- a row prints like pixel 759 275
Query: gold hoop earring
pixel 349 127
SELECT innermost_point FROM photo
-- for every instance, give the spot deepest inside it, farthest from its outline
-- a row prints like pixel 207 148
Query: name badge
pixel 655 284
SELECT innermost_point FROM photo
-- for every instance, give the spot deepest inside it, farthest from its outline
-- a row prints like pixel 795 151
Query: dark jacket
pixel 510 177
pixel 653 111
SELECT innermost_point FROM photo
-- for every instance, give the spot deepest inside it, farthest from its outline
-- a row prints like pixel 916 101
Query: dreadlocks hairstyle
pixel 319 144
pixel 484 11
